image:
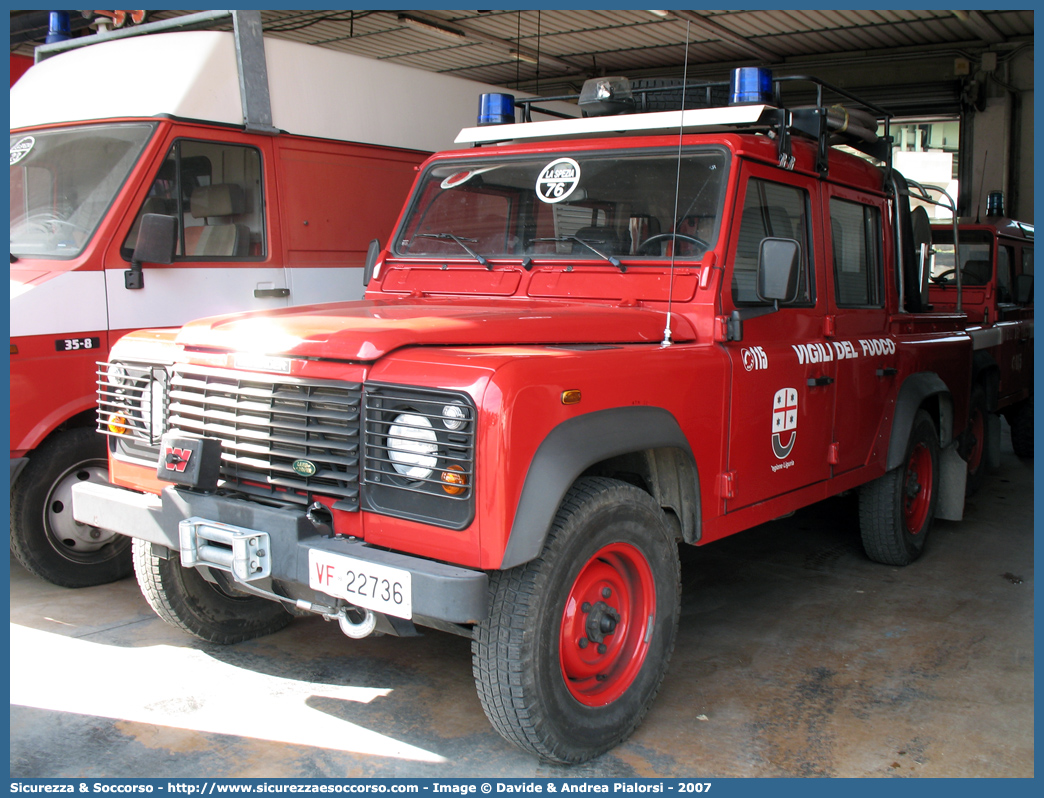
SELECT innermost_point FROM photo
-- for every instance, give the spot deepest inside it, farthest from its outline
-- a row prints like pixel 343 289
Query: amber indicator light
pixel 571 397
pixel 454 480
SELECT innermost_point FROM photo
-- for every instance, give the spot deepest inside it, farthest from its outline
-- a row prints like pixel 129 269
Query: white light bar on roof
pixel 694 118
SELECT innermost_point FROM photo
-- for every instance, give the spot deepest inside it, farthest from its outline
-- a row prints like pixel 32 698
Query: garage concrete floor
pixel 796 657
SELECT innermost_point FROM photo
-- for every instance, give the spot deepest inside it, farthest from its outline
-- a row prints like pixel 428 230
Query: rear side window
pixel 770 210
pixel 855 233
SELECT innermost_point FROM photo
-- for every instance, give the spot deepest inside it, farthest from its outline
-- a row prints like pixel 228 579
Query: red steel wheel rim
pixel 917 488
pixel 604 636
pixel 978 431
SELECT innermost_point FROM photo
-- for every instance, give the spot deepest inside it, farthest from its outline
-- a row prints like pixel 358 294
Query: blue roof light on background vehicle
pixel 59 29
pixel 750 85
pixel 496 109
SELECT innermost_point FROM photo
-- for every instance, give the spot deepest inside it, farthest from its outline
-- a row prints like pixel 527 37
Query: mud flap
pixel 953 478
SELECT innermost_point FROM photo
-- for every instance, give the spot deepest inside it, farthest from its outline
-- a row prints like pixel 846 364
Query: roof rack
pixel 657 105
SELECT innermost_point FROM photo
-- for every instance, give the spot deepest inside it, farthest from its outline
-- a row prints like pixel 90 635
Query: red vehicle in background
pixel 270 195
pixel 996 274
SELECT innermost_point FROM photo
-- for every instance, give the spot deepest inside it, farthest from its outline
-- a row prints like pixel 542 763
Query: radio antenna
pixel 677 189
pixel 982 185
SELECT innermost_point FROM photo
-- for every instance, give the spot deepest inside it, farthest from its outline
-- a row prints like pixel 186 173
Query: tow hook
pixel 356 629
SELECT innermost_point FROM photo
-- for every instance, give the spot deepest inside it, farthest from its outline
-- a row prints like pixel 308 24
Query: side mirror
pixel 372 254
pixel 1024 289
pixel 157 240
pixel 779 261
pixel 778 267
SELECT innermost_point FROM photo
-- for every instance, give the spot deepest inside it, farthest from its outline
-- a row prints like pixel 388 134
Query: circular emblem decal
pixel 305 468
pixel 21 148
pixel 557 180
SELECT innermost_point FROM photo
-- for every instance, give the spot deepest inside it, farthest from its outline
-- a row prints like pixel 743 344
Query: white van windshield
pixel 581 206
pixel 63 182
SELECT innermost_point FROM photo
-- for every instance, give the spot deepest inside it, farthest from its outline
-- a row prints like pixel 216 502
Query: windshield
pixel 976 257
pixel 63 182
pixel 589 206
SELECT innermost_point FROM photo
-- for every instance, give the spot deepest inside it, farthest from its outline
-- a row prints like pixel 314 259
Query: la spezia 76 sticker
pixel 558 180
pixel 21 148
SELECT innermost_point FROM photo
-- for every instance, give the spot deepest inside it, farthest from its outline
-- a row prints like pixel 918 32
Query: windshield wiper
pixel 612 259
pixel 460 241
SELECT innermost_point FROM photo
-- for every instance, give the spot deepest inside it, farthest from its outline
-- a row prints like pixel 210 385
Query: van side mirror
pixel 778 261
pixel 372 253
pixel 157 240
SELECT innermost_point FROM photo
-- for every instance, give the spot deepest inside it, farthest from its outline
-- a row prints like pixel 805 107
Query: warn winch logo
pixel 784 420
pixel 177 459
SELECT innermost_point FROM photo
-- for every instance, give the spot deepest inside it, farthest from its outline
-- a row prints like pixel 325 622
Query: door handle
pixel 266 293
pixel 817 382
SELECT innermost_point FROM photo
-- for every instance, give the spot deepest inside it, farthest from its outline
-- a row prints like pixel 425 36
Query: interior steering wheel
pixel 664 236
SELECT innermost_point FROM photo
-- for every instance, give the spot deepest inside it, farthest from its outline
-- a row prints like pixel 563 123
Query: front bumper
pixel 441 592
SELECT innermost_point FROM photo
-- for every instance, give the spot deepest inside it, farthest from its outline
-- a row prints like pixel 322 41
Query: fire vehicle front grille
pixel 280 437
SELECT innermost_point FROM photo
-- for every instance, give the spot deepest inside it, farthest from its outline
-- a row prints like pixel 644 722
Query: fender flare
pixel 986 371
pixel 915 390
pixel 568 450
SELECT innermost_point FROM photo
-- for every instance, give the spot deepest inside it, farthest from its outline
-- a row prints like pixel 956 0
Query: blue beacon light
pixel 750 86
pixel 496 109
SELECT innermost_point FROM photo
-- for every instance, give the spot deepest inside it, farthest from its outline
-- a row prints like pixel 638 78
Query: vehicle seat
pixel 219 236
pixel 604 239
pixel 976 272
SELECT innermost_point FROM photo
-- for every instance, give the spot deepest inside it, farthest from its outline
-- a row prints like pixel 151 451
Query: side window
pixel 855 234
pixel 770 210
pixel 1024 281
pixel 214 190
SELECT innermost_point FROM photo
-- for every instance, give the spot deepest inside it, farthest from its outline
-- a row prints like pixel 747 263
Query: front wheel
pixel 896 510
pixel 577 641
pixel 45 537
pixel 212 611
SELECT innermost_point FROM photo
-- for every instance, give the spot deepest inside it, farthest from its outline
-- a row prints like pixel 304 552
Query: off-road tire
pixel 212 612
pixel 1020 418
pixel 896 510
pixel 44 537
pixel 610 545
pixel 979 428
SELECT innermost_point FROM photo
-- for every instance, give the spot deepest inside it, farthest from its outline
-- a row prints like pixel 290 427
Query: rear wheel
pixel 577 641
pixel 1021 420
pixel 896 510
pixel 212 611
pixel 45 537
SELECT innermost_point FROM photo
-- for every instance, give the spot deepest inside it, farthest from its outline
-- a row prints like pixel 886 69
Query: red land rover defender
pixel 588 340
pixel 996 256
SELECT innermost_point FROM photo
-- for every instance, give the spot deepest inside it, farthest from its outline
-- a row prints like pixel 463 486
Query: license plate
pixel 365 584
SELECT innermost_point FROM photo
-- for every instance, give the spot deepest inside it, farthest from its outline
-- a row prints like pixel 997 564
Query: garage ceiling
pixel 553 51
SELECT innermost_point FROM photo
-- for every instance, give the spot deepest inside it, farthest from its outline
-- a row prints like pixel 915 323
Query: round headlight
pixel 454 417
pixel 412 446
pixel 117 375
